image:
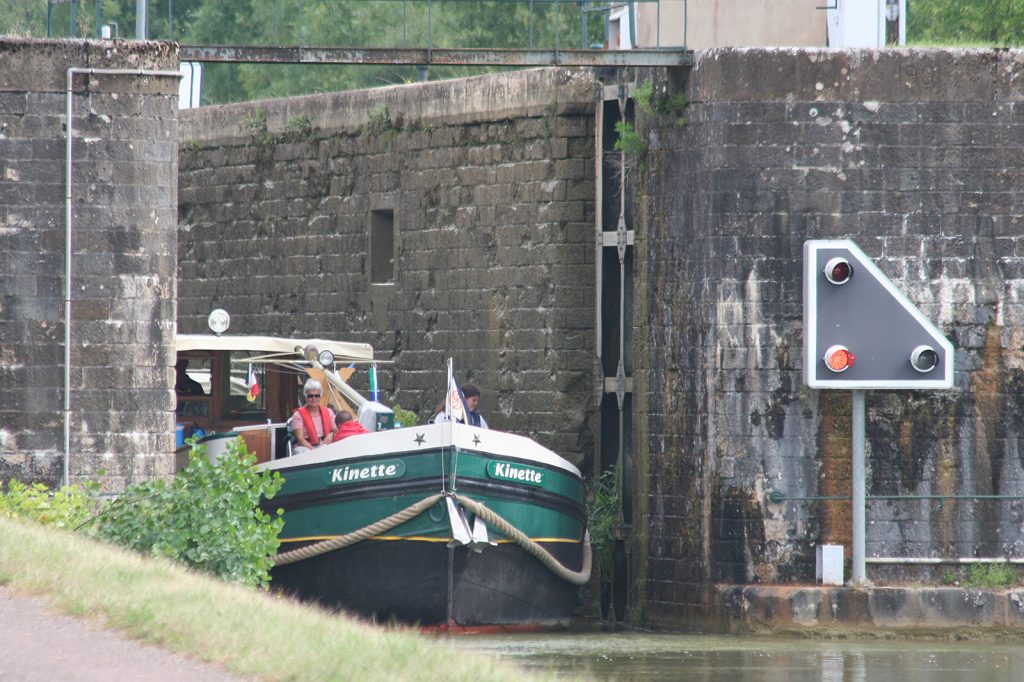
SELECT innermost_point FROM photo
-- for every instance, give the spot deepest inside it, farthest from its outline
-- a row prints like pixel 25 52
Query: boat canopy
pixel 273 345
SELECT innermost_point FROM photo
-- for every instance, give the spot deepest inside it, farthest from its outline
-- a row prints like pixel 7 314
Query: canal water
pixel 707 658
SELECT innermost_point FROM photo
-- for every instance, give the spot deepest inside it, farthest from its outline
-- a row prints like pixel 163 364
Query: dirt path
pixel 39 643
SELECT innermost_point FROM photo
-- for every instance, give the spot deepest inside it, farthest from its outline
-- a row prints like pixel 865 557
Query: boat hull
pixel 419 570
pixel 407 582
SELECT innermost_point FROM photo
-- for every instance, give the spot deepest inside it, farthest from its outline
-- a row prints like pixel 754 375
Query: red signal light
pixel 838 271
pixel 838 358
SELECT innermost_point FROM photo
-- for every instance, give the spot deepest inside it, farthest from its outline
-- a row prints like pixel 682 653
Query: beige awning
pixel 343 351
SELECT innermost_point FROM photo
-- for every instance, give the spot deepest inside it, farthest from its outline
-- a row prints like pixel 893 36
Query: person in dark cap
pixel 472 395
pixel 473 417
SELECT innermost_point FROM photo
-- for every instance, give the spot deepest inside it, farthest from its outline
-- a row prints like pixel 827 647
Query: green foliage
pixel 299 127
pixel 997 576
pixel 380 121
pixel 68 508
pixel 630 142
pixel 256 123
pixel 208 517
pixel 404 417
pixel 661 105
pixel 381 126
pixel 994 23
pixel 991 576
pixel 349 23
pixel 603 519
pixel 28 19
pixel 644 97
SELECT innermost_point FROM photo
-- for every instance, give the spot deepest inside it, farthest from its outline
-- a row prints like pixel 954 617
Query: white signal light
pixel 924 359
pixel 838 271
pixel 838 358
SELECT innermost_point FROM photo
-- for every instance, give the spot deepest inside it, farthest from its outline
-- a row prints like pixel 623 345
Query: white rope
pixel 397 519
pixel 545 557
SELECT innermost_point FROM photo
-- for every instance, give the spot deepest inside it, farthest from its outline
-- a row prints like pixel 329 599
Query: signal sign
pixel 860 331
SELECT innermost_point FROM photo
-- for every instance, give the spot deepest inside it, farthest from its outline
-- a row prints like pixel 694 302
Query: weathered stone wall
pixel 491 184
pixel 123 254
pixel 917 156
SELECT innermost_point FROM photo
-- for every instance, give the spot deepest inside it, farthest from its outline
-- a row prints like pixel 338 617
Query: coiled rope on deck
pixel 396 519
pixel 579 577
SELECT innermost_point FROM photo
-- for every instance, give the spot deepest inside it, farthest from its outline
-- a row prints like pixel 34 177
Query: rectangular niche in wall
pixel 382 246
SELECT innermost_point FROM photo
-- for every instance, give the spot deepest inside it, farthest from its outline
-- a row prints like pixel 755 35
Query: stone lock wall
pixel 917 156
pixel 123 251
pixel 489 182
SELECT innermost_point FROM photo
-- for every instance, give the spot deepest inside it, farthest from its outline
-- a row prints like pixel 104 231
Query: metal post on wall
pixel 141 20
pixel 583 26
pixel 613 313
pixel 858 489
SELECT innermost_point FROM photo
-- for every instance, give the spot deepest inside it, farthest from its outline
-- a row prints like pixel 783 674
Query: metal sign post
pixel 858 493
pixel 861 332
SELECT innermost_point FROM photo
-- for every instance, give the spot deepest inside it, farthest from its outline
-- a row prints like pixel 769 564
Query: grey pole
pixel 141 20
pixel 858 495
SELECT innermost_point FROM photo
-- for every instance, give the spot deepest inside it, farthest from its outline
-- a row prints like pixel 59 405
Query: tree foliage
pixel 994 23
pixel 324 23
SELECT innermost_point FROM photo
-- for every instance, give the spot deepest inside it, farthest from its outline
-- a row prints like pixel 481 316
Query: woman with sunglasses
pixel 312 424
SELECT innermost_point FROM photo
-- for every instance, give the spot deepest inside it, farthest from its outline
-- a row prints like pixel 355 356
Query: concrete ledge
pixel 875 611
pixel 491 97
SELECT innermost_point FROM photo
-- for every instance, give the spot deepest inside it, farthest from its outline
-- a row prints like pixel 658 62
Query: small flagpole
pixel 452 390
pixel 448 393
pixel 374 393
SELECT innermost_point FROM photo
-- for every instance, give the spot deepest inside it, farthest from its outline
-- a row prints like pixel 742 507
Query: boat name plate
pixel 519 473
pixel 378 471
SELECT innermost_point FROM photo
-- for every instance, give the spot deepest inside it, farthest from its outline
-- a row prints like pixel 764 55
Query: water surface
pixel 707 658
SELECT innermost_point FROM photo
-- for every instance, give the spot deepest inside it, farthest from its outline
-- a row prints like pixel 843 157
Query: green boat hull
pixel 422 568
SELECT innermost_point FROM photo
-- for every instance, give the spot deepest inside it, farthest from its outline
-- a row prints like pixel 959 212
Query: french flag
pixel 254 384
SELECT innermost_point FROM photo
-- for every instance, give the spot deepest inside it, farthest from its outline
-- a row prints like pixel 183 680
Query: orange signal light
pixel 838 358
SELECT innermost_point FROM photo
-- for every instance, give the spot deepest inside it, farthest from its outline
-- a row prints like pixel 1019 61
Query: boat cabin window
pixel 193 385
pixel 245 387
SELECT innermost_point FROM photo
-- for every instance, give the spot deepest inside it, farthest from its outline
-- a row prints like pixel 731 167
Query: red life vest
pixel 349 428
pixel 307 424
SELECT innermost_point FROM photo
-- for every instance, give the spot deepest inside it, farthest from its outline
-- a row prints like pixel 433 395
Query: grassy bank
pixel 248 632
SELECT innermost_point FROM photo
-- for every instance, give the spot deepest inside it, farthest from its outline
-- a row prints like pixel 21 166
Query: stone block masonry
pixel 914 154
pixel 123 255
pixel 487 187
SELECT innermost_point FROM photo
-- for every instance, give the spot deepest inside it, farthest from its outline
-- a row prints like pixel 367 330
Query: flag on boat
pixel 253 382
pixel 455 403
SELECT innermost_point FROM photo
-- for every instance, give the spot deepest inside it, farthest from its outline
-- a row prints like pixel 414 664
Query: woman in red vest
pixel 313 424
